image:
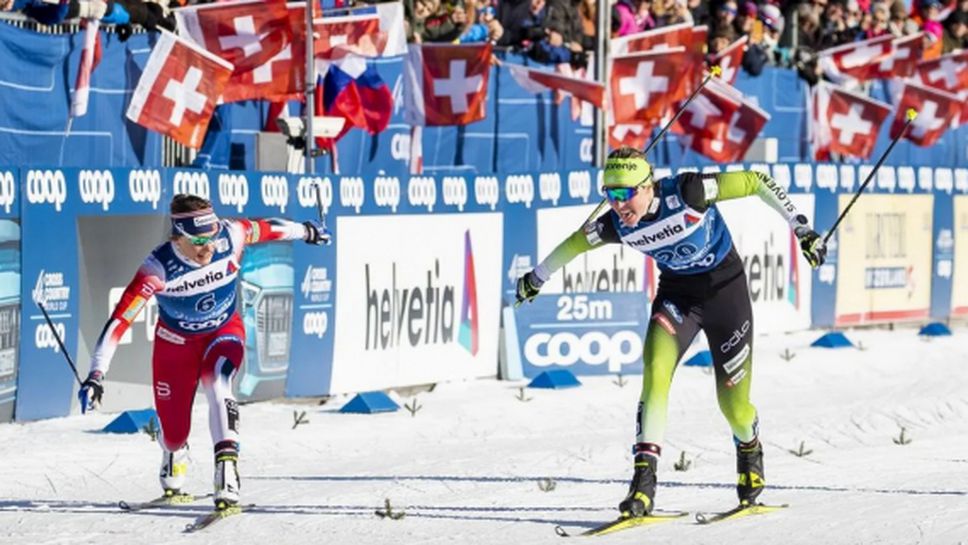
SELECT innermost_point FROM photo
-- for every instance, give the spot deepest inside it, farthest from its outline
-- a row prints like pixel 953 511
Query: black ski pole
pixel 911 115
pixel 60 342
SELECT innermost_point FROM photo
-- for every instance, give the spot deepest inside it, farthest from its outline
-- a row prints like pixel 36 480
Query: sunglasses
pixel 622 194
pixel 198 240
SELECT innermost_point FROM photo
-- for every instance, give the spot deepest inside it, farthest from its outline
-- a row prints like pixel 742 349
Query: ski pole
pixel 319 207
pixel 715 71
pixel 60 342
pixel 910 115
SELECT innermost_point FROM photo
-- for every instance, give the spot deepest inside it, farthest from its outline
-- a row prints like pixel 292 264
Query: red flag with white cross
pixel 660 39
pixel 709 114
pixel 178 90
pixel 634 135
pixel 859 61
pixel 948 72
pixel 446 84
pixel 936 109
pixel 256 37
pixel 745 125
pixel 357 33
pixel 730 60
pixel 853 121
pixel 907 53
pixel 643 86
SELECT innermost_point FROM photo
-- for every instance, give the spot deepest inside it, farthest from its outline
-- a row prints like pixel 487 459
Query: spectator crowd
pixel 780 32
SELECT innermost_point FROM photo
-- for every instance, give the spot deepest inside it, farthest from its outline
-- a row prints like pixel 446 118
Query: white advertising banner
pixel 419 299
pixel 612 268
pixel 779 278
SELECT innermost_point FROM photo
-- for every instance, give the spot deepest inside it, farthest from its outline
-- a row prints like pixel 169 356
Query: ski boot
pixel 174 468
pixel 227 483
pixel 749 466
pixel 639 501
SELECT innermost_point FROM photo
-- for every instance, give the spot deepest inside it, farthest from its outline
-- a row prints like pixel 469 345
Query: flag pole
pixel 310 109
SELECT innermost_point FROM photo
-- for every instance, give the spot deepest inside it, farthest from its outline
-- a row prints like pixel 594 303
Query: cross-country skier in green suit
pixel 702 285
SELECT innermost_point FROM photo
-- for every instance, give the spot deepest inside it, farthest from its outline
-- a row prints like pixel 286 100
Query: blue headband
pixel 198 222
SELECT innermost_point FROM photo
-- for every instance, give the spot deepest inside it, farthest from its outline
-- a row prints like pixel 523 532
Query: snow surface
pixel 466 468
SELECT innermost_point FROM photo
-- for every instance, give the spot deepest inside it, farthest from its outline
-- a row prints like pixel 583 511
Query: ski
pixel 161 501
pixel 739 511
pixel 624 523
pixel 212 517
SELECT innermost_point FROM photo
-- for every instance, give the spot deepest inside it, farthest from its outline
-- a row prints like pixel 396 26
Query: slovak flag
pixel 352 89
pixel 907 52
pixel 446 84
pixel 936 110
pixel 256 36
pixel 859 61
pixel 644 86
pixel 730 60
pixel 90 58
pixel 846 122
pixel 178 90
pixel 538 81
pixel 659 39
pixel 948 72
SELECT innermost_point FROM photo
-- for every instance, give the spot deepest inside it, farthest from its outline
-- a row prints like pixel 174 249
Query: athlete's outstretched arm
pixel 705 189
pixel 149 279
pixel 592 235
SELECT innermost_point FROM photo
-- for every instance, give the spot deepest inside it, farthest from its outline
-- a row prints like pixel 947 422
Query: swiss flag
pixel 710 113
pixel 357 33
pixel 446 84
pixel 907 53
pixel 634 135
pixel 662 38
pixel 178 90
pixel 644 86
pixel 743 128
pixel 537 81
pixel 947 72
pixel 856 60
pixel 845 122
pixel 730 60
pixel 936 109
pixel 282 76
pixel 246 33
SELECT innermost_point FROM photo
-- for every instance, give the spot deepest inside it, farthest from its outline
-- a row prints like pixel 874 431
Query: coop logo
pixel 275 192
pixel 307 189
pixel 316 285
pixel 424 313
pixel 315 324
pixel 46 187
pixel 592 348
pixel 487 191
pixel 8 190
pixel 549 187
pixel 145 186
pixel 422 191
pixel 233 190
pixel 455 191
pixel 44 338
pixel 205 324
pixel 519 189
pixel 351 192
pixel 580 185
pixel 386 192
pixel 192 183
pixel 97 187
pixel 946 240
pixel 400 146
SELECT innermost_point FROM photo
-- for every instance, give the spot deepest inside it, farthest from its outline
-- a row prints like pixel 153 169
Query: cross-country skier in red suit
pixel 199 336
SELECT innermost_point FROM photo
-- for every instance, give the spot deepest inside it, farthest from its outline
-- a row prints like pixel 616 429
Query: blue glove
pixel 317 233
pixel 91 392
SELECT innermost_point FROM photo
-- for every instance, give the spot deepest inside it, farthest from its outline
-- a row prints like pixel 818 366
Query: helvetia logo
pixel 422 314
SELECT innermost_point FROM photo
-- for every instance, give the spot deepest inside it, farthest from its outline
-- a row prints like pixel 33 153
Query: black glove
pixel 91 392
pixel 316 233
pixel 528 287
pixel 811 244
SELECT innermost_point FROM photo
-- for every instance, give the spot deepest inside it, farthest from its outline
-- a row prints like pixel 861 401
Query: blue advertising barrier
pixel 418 272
